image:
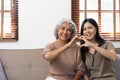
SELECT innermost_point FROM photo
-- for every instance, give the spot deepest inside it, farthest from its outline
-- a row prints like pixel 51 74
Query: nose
pixel 87 30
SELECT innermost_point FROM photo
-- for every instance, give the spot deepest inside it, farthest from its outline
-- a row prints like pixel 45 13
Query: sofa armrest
pixel 117 50
pixel 2 72
pixel 116 65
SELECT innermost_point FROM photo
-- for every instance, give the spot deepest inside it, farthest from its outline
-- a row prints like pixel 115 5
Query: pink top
pixel 66 64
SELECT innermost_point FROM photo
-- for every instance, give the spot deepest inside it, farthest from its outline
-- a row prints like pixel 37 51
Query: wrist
pixel 93 45
pixel 67 45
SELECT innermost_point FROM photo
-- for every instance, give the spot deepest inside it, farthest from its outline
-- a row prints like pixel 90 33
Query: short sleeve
pixel 48 48
pixel 109 45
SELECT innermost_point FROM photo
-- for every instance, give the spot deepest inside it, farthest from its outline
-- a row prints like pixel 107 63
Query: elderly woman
pixel 63 54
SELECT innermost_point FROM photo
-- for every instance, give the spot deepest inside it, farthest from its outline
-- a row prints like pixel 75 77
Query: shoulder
pixel 108 44
pixel 50 45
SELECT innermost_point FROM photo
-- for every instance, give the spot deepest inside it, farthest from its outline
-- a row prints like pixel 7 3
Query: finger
pixel 82 45
pixel 83 38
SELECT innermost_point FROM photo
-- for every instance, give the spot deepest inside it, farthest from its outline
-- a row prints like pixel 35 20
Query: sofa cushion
pixel 24 64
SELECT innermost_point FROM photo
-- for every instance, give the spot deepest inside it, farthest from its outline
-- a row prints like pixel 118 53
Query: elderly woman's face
pixel 64 31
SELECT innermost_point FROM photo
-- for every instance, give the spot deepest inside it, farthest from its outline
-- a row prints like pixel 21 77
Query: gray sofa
pixel 23 64
pixel 116 64
pixel 27 64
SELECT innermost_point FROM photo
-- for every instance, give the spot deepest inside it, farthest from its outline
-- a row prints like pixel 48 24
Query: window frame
pixel 13 35
pixel 75 12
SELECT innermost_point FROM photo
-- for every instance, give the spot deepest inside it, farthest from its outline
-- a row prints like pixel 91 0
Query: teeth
pixel 88 35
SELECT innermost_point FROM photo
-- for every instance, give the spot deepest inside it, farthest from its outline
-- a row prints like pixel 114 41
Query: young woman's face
pixel 89 31
pixel 64 32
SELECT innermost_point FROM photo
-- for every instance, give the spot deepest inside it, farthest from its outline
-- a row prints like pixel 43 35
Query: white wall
pixel 37 19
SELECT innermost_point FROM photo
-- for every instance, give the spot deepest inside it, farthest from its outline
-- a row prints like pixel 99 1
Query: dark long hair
pixel 84 50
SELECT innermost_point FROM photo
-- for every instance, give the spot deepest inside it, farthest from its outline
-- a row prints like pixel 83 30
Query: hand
pixel 87 43
pixel 74 40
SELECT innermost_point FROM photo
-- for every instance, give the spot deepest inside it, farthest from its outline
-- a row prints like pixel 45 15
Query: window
pixel 105 12
pixel 8 20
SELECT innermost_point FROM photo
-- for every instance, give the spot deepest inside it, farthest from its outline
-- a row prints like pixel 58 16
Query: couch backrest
pixel 28 64
pixel 24 64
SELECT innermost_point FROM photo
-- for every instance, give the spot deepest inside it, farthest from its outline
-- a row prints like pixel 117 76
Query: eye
pixel 90 27
pixel 69 29
pixel 62 28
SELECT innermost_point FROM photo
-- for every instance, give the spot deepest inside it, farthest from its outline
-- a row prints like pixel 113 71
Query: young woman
pixel 96 52
pixel 63 54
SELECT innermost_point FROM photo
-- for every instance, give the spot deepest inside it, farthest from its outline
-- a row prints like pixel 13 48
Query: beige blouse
pixel 66 64
pixel 100 67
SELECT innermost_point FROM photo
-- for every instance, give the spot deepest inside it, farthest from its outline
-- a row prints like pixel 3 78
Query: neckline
pixel 58 44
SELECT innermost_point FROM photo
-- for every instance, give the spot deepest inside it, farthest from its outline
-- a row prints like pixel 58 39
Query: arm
pixel 78 75
pixel 86 77
pixel 110 54
pixel 52 54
